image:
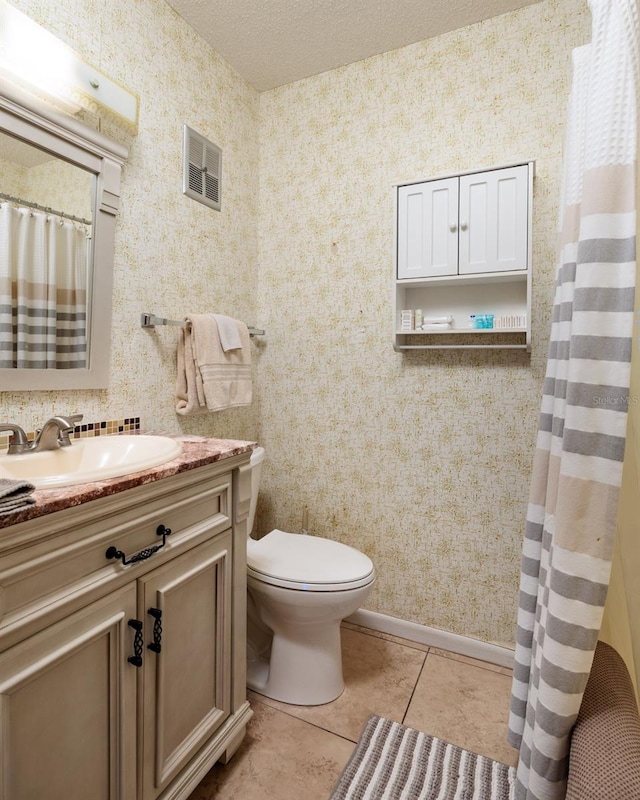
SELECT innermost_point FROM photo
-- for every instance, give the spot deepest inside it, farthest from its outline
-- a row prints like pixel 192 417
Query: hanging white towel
pixel 210 379
pixel 229 332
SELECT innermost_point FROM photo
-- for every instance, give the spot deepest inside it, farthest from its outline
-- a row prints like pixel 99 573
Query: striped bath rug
pixel 393 762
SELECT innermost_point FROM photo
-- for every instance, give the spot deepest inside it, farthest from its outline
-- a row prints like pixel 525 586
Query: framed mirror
pixel 59 196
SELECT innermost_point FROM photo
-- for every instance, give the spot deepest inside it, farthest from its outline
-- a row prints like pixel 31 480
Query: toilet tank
pixel 255 465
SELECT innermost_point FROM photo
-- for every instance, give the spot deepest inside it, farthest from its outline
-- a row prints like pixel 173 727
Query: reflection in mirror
pixel 59 197
pixel 46 206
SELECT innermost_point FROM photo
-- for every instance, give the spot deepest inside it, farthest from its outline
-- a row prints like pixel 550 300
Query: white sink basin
pixel 87 460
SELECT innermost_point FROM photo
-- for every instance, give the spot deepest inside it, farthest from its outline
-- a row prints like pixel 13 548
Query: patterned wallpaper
pixel 54 184
pixel 173 256
pixel 14 178
pixel 420 460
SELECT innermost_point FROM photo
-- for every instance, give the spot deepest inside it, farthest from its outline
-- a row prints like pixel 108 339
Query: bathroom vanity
pixel 123 631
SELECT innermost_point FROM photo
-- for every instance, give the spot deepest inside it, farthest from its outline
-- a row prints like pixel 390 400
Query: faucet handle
pixel 63 435
pixel 18 442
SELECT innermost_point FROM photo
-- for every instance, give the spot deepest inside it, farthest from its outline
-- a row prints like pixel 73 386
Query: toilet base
pixel 294 641
pixel 305 666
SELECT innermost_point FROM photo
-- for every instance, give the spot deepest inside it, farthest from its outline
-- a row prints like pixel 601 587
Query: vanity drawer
pixel 48 579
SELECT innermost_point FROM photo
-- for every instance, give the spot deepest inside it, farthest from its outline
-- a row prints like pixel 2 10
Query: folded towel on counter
pixel 210 379
pixel 15 495
pixel 228 331
pixel 437 326
pixel 437 320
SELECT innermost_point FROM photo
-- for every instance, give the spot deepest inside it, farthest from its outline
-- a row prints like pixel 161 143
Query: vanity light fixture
pixel 36 60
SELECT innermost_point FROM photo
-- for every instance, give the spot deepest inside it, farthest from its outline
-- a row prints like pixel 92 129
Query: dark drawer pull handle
pixel 138 643
pixel 156 644
pixel 113 552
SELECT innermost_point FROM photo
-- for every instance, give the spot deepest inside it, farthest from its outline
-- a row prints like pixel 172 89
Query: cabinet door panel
pixel 187 685
pixel 427 229
pixel 494 220
pixel 68 708
pixel 478 224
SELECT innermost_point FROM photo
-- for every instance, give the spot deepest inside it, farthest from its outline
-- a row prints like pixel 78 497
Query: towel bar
pixel 150 321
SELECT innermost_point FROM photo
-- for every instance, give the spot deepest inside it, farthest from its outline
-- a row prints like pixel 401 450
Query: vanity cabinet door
pixel 68 707
pixel 186 605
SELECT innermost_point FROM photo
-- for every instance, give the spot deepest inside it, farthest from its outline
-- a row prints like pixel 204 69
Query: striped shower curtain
pixel 577 468
pixel 43 290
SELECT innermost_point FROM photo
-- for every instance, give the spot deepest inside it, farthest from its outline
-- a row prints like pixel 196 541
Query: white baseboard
pixel 434 637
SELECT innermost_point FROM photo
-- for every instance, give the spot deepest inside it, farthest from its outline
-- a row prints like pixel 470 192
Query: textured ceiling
pixel 273 42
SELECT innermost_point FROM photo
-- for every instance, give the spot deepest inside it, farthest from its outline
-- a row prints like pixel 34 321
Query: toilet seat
pixel 307 563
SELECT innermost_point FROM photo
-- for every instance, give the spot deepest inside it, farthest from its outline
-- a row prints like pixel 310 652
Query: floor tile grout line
pixel 423 648
pixel 476 665
pixel 415 686
pixel 427 648
pixel 307 722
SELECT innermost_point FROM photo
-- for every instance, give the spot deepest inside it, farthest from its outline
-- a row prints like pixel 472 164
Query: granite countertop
pixel 196 452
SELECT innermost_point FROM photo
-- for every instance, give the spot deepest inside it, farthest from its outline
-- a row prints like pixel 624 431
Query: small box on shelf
pixel 510 321
pixel 406 321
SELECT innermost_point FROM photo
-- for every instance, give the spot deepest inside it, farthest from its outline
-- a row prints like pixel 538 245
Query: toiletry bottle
pixel 418 318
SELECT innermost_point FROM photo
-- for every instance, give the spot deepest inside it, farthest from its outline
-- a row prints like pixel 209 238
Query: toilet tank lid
pixel 307 559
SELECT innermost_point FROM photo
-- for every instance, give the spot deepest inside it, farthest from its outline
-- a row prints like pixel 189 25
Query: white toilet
pixel 300 589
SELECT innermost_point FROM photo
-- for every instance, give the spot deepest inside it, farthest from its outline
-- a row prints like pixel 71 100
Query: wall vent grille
pixel 202 169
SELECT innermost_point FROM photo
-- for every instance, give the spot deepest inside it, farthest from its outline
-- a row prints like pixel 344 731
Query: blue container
pixel 483 321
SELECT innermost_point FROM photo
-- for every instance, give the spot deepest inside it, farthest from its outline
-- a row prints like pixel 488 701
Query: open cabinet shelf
pixel 457 258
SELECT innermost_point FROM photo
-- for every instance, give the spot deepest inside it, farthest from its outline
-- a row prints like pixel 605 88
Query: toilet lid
pixel 307 562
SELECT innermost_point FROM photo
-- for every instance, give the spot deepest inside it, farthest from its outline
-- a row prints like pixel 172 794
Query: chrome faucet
pixel 55 433
pixel 18 442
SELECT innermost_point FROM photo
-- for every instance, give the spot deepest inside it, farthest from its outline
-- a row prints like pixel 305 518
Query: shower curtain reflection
pixel 43 290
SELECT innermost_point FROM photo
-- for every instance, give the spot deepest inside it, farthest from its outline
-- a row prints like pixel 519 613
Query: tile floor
pixel 298 752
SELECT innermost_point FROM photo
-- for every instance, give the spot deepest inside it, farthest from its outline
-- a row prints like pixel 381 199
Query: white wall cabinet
pixel 463 247
pixel 494 220
pixel 125 682
pixel 428 229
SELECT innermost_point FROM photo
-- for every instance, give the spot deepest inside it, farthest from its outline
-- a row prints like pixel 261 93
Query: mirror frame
pixel 29 119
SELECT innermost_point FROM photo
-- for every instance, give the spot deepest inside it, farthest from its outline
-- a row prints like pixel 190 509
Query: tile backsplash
pixel 105 427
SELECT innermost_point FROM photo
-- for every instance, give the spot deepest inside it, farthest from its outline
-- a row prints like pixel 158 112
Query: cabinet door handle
pixel 113 552
pixel 156 644
pixel 464 226
pixel 453 227
pixel 138 643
